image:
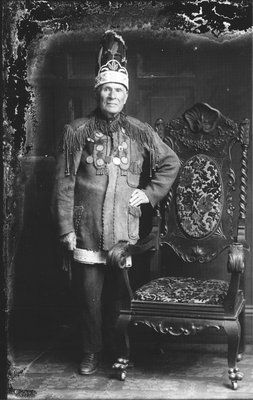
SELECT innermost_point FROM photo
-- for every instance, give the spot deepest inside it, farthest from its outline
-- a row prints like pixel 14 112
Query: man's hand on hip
pixel 138 197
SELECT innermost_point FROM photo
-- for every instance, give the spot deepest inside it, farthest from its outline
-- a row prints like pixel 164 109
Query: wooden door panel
pixel 166 107
pixel 81 103
pixel 166 103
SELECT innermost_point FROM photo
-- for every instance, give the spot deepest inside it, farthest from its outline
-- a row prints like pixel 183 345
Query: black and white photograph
pixel 127 200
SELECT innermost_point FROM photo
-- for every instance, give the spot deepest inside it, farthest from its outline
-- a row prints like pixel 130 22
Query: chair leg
pixel 123 348
pixel 242 339
pixel 233 331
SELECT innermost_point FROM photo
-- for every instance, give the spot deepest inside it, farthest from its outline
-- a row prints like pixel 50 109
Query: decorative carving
pixel 202 128
pixel 164 208
pixel 231 187
pixel 235 375
pixel 198 251
pixel 202 118
pixel 167 328
pixel 203 144
pixel 244 139
pixel 236 258
pixel 194 254
pixel 219 232
pixel 244 132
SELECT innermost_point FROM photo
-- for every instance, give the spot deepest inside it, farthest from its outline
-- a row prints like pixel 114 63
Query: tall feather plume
pixel 112 48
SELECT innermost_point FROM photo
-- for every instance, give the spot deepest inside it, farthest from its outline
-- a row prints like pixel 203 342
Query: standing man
pixel 109 164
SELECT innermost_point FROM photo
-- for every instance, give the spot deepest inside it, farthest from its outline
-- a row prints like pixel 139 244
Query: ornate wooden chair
pixel 203 221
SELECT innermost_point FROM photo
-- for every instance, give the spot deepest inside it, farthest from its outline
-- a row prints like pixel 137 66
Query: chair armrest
pixel 236 258
pixel 236 267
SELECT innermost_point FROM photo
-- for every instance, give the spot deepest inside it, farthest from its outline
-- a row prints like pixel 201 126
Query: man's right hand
pixel 69 241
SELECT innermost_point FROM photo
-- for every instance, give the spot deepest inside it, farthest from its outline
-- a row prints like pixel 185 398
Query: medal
pixel 100 162
pixel 124 145
pixel 100 147
pixel 124 160
pixel 89 159
pixel 116 160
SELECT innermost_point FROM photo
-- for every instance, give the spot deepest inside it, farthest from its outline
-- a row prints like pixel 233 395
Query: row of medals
pixel 106 159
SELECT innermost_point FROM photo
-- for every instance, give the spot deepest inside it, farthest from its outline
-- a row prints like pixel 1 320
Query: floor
pixel 180 371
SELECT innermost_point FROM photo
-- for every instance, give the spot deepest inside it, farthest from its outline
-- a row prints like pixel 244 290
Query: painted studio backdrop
pixel 179 53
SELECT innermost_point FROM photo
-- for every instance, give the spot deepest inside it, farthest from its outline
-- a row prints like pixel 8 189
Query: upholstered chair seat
pixel 183 290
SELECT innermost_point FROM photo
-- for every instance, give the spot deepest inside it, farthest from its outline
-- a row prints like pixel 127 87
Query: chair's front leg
pixel 123 347
pixel 242 338
pixel 233 331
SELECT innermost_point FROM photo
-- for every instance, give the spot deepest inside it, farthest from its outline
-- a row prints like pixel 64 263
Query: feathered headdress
pixel 111 63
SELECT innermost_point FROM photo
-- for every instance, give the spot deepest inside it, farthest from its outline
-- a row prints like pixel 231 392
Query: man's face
pixel 112 99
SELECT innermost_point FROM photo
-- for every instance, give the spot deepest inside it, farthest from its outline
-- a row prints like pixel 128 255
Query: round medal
pixel 124 145
pixel 100 147
pixel 116 160
pixel 124 160
pixel 120 147
pixel 89 159
pixel 100 162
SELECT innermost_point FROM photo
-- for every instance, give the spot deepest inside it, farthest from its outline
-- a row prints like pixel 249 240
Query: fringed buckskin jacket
pixel 99 165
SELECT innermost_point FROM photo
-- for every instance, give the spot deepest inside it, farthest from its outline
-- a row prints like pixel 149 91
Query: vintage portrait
pixel 127 199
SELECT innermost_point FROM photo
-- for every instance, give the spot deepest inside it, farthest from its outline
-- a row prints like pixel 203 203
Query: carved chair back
pixel 205 212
